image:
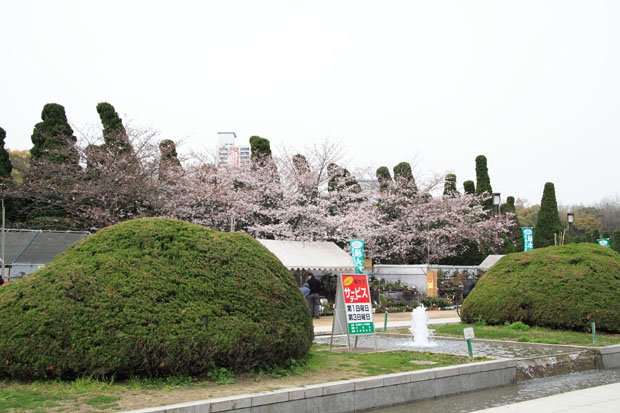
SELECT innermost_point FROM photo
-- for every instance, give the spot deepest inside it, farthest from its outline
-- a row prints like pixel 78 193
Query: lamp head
pixel 497 199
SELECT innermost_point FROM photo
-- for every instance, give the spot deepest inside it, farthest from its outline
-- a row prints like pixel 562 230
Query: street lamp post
pixel 570 217
pixel 497 199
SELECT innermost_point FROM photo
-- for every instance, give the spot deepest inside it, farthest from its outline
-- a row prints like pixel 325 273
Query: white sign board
pixel 468 333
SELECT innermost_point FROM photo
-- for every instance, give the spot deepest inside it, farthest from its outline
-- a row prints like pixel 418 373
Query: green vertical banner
pixel 528 238
pixel 604 242
pixel 357 252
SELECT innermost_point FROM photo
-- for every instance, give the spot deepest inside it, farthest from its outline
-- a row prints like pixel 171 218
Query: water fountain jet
pixel 422 335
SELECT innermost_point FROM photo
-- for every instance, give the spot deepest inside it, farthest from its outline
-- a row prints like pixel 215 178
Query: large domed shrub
pixel 565 287
pixel 153 297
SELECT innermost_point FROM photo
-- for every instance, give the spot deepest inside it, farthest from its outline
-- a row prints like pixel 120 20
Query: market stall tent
pixel 310 255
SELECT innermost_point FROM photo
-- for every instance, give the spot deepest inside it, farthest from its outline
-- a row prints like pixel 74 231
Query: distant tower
pixel 229 153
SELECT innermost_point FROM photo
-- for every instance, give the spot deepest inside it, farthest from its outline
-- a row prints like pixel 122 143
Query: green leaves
pixel 565 287
pixel 548 222
pixel 153 297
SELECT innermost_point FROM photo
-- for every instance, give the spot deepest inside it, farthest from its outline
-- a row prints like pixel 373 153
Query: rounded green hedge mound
pixel 153 297
pixel 565 287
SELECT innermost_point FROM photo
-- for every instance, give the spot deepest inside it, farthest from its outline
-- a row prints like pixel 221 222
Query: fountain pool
pixel 496 349
pixel 423 340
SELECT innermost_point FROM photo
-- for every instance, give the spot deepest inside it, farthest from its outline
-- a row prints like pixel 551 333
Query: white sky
pixel 533 85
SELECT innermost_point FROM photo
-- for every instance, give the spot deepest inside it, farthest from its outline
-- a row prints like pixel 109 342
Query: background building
pixel 26 251
pixel 229 152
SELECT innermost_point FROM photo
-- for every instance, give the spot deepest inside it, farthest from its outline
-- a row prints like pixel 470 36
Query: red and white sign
pixel 357 303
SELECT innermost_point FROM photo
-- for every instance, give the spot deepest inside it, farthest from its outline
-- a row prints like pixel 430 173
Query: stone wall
pixel 360 394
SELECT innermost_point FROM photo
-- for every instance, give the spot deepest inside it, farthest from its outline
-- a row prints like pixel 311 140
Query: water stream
pixel 526 390
pixel 497 349
pixel 422 340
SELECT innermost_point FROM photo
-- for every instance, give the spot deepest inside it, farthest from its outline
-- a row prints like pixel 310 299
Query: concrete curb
pixel 400 388
pixel 610 356
pixel 359 394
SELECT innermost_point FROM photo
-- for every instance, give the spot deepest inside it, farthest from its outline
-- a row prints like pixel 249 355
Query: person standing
pixel 315 298
pixel 469 285
pixel 305 290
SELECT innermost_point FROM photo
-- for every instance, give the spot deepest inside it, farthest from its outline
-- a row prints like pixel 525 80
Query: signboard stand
pixel 353 309
pixel 339 322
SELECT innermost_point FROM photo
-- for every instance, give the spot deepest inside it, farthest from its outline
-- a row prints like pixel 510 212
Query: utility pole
pixel 428 244
pixel 2 273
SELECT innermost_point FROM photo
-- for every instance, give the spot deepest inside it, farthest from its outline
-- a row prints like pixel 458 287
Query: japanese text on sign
pixel 356 294
pixel 357 252
pixel 528 238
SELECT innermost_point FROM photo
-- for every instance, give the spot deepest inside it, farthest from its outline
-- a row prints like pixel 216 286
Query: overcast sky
pixel 533 85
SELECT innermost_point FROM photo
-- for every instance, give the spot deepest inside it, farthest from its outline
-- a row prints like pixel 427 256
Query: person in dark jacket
pixel 315 298
pixel 469 285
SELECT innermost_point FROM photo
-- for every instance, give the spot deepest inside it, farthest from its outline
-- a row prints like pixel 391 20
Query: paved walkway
pixel 323 325
pixel 602 399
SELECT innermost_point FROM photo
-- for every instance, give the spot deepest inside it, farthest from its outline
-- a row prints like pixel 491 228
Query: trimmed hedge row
pixel 565 287
pixel 153 297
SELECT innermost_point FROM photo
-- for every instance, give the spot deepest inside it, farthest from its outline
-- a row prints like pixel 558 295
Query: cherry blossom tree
pixel 422 228
pixel 307 196
pixel 311 212
pixel 291 199
pixel 106 187
pixel 222 197
pixel 120 185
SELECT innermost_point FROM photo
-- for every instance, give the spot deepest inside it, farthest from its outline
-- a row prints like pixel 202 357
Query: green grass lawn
pixel 321 366
pixel 523 333
pixel 372 364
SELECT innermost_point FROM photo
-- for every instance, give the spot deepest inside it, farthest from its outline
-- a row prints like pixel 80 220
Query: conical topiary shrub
pixel 564 287
pixel 153 297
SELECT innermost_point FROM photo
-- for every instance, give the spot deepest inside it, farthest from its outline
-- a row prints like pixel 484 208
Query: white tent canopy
pixel 312 256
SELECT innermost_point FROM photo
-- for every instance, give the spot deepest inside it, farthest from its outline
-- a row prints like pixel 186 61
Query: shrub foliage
pixel 53 137
pixel 469 187
pixel 548 221
pixel 564 287
pixel 153 297
pixel 5 162
pixel 615 241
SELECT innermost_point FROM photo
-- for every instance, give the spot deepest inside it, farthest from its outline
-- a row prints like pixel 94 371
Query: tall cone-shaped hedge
pixel 53 138
pixel 114 133
pixel 513 242
pixel 260 147
pixel 483 181
pixel 5 162
pixel 615 241
pixel 449 186
pixel 564 287
pixel 153 297
pixel 383 177
pixel 548 221
pixel 469 187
